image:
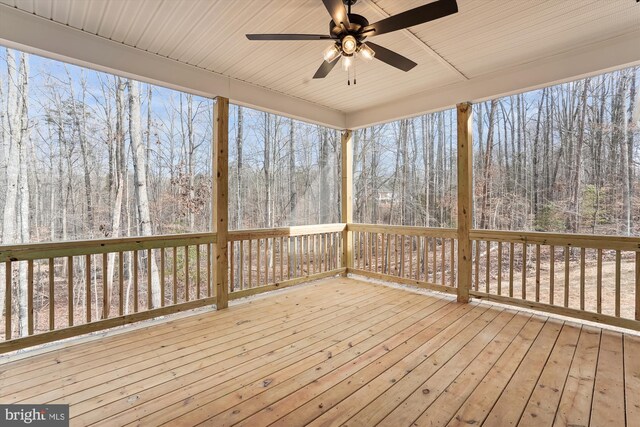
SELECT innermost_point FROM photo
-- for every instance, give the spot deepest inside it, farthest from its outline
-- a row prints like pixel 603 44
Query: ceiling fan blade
pixel 391 58
pixel 419 15
pixel 337 11
pixel 325 69
pixel 288 37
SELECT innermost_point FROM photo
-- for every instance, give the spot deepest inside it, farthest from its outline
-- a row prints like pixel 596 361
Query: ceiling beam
pixel 33 34
pixel 614 53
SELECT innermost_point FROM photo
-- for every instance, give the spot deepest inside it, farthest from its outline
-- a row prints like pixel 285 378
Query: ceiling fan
pixel 349 31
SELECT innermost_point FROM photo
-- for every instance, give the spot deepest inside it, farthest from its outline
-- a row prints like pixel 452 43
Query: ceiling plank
pixel 419 42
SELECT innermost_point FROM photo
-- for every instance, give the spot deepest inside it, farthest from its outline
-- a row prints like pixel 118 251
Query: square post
pixel 220 198
pixel 465 200
pixel 347 197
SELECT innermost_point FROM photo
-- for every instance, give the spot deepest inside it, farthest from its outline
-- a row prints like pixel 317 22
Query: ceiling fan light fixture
pixel 331 53
pixel 347 61
pixel 349 45
pixel 366 52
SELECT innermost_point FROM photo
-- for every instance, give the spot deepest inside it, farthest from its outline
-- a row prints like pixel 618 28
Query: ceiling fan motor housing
pixel 357 22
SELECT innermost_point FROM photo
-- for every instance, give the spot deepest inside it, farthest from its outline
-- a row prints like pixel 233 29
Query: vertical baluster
pixel 402 260
pixel 105 292
pixel 487 267
pixel 259 270
pixel 175 275
pixel 357 250
pixel 259 262
pixel 297 256
pixel 442 256
pixel 290 259
pixel 198 268
pixel 69 289
pixel 87 282
pixel 383 249
pixel 250 264
pixel 410 257
pixel 266 261
pixel 314 254
pixel 452 262
pixel 186 273
pixel 30 297
pixel 599 282
pixel 552 273
pixel 618 274
pixel 537 273
pixel 241 265
pixel 524 271
pixel 435 265
pixel 232 270
pixel 566 276
pixel 511 259
pixel 337 249
pixel 120 283
pixel 135 281
pixel 395 254
pixel 273 258
pixel 361 249
pixel 307 238
pixel 162 276
pixel 477 245
pixel 149 283
pixel 7 302
pixel 52 299
pixel 637 308
pixel 499 290
pixel 332 243
pixel 367 259
pixel 425 261
pixel 332 251
pixel 282 258
pixel 582 278
pixel 376 254
pixel 389 267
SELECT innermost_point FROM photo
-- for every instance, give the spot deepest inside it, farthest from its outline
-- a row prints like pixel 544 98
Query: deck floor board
pixel 340 352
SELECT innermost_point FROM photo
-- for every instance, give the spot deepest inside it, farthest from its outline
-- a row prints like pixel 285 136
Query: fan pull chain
pixel 355 70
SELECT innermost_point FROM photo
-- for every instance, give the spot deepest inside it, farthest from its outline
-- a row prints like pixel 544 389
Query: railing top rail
pixel 299 230
pixel 32 251
pixel 404 229
pixel 578 240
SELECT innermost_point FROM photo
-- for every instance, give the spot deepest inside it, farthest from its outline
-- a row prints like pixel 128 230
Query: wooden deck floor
pixel 342 352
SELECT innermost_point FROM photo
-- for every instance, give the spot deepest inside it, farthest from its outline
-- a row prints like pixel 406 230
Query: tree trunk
pixel 140 181
pixel 487 167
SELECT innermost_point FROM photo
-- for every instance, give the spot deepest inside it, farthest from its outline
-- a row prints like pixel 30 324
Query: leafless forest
pixel 562 159
pixel 86 155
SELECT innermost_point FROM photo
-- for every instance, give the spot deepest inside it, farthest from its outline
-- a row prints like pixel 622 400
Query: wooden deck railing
pixel 267 259
pixel 419 256
pixel 59 290
pixel 584 276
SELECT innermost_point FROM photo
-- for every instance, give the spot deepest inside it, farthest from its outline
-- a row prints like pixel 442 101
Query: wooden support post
pixel 347 198
pixel 465 201
pixel 221 201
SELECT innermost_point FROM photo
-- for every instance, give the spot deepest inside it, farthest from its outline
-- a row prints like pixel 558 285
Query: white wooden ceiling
pixel 486 38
